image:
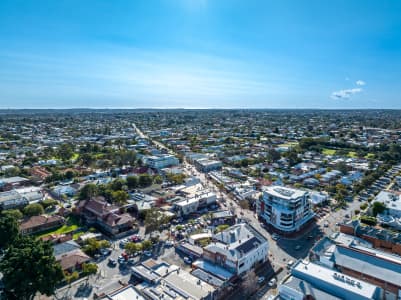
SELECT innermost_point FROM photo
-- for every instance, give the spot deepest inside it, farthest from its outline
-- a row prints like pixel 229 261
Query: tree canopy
pixel 29 266
pixel 8 229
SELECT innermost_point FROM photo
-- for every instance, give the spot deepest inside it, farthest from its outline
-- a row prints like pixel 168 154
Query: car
pixel 347 216
pixel 131 261
pixel 147 253
pixel 275 236
pixel 272 282
pixel 261 279
pixel 297 247
pixel 112 262
pixel 169 243
pixel 310 237
pixel 289 264
pixel 326 224
pixel 187 260
pixel 123 242
pixel 105 251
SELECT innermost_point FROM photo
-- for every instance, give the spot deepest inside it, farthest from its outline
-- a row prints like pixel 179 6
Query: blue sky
pixel 200 54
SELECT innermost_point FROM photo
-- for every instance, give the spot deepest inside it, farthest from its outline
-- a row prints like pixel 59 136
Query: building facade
pixel 286 209
pixel 162 161
pixel 237 249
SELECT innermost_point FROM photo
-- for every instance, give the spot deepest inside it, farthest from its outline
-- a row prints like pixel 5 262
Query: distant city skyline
pixel 200 54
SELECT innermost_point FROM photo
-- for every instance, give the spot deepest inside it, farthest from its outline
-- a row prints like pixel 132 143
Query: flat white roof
pixel 284 192
pixel 335 279
pixel 128 293
pixel 391 200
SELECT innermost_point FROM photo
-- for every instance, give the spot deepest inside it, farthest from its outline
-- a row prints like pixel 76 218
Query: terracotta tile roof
pixel 38 221
pixel 72 259
pixel 115 219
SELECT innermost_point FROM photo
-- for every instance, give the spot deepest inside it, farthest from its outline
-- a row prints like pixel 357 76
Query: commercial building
pixel 198 202
pixel 379 238
pixel 313 281
pixel 237 249
pixel 392 201
pixel 165 281
pixel 161 161
pixel 357 258
pixel 286 209
pixel 206 165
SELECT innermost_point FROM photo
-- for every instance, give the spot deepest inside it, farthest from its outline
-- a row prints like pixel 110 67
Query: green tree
pixel 132 182
pixel 154 218
pixel 16 213
pixel 117 184
pixel 146 245
pixel 378 208
pixel 8 229
pixel 49 203
pixel 145 180
pixel 88 191
pixel 89 268
pixel 65 152
pixel 131 248
pixel 34 209
pixel 120 197
pixel 29 266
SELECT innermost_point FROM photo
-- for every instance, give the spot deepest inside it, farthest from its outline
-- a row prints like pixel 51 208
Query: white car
pixel 272 282
pixel 261 279
pixel 290 263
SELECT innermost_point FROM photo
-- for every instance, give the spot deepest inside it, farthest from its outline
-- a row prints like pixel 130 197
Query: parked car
pixel 289 264
pixel 275 236
pixel 272 282
pixel 105 251
pixel 187 260
pixel 147 253
pixel 112 262
pixel 261 279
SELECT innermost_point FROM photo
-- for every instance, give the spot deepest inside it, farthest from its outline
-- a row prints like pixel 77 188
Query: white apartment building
pixel 286 209
pixel 237 249
pixel 161 161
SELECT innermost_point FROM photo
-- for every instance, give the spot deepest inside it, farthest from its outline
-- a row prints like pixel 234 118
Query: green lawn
pixel 75 156
pixel 352 154
pixel 327 151
pixel 289 144
pixel 369 156
pixel 75 236
pixel 71 225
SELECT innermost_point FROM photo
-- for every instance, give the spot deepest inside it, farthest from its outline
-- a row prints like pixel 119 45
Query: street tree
pixel 8 229
pixel 28 267
pixel 34 209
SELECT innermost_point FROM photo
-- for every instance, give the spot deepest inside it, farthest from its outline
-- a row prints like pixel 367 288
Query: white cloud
pixel 345 94
pixel 360 83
